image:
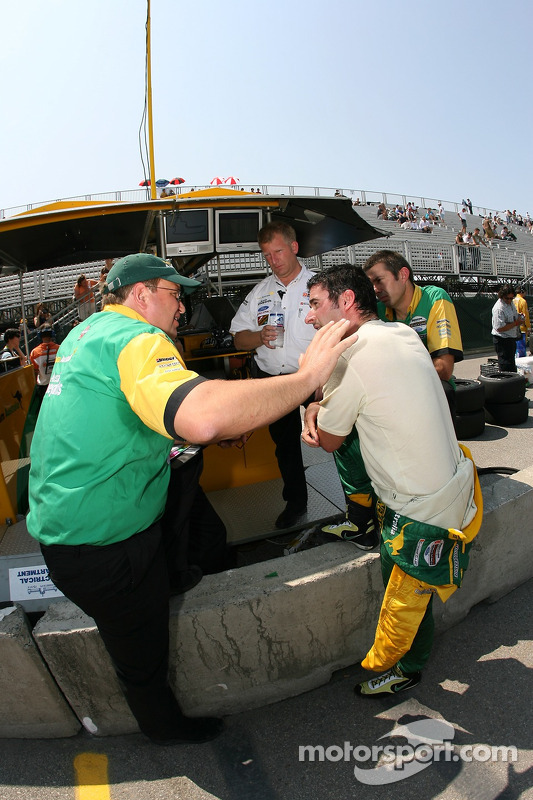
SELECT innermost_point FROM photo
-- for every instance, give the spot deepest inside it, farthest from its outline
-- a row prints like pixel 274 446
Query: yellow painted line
pixel 91 777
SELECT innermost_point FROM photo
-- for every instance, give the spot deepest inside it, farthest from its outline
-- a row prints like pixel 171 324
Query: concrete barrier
pixel 31 705
pixel 272 630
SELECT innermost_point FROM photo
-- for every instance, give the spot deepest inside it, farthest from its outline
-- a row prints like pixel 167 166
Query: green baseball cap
pixel 144 267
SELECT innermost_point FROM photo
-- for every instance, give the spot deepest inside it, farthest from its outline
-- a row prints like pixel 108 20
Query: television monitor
pixel 237 230
pixel 189 232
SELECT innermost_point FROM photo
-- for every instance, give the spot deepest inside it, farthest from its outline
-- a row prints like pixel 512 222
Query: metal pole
pixel 151 157
pixel 24 325
pixel 162 240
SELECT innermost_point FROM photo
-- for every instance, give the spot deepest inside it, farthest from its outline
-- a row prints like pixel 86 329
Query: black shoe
pixel 290 515
pixel 191 730
pixel 186 579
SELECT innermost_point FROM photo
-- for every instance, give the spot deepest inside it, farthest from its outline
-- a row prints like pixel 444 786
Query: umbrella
pixel 161 182
pixel 177 181
pixel 231 181
pixel 217 181
pixel 145 183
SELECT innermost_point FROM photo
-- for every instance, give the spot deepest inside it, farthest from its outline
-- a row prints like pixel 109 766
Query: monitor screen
pixel 237 230
pixel 189 231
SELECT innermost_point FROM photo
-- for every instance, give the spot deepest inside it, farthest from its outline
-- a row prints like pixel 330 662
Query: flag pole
pixel 151 157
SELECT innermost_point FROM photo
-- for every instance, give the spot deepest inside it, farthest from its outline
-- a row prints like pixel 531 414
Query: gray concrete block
pixel 31 705
pixel 75 654
pixel 272 630
pixel 243 639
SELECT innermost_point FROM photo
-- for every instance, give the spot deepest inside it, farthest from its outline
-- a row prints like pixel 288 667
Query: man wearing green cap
pixel 96 501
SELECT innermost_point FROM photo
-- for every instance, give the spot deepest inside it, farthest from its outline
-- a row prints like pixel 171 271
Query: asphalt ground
pixel 474 700
pixel 478 681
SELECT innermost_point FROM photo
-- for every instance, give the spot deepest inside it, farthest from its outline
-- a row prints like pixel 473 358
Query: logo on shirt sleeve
pixel 169 364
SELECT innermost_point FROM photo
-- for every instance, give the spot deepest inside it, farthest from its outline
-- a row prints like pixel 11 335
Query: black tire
pixel 469 424
pixel 507 413
pixel 503 387
pixel 469 396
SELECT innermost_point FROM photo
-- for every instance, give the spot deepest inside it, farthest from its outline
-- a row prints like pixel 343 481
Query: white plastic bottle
pixel 276 318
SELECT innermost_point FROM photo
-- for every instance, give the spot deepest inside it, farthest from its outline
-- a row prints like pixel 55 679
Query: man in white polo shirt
pixel 287 286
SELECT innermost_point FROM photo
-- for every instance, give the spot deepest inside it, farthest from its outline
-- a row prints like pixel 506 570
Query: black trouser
pixel 505 350
pixel 286 434
pixel 124 587
pixel 193 531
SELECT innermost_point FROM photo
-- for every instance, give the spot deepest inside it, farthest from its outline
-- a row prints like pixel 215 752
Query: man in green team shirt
pixel 96 501
pixel 427 309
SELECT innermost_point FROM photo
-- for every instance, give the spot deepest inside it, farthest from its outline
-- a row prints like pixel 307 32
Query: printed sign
pixel 31 583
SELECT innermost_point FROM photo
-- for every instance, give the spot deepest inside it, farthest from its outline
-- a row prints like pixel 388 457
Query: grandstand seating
pixel 430 255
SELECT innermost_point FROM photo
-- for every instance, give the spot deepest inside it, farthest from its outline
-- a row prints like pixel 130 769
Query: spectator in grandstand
pixel 488 230
pixel 520 304
pixel 425 225
pixel 441 211
pixel 12 346
pixel 402 217
pixel 382 211
pixel 43 358
pixel 462 253
pixel 475 251
pixel 84 296
pixel 506 323
pixel 421 482
pixel 42 315
pixel 104 273
pixel 477 238
pixel 507 235
pixel 468 204
pixel 462 216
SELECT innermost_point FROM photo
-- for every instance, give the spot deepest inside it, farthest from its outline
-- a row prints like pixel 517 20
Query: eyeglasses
pixel 175 292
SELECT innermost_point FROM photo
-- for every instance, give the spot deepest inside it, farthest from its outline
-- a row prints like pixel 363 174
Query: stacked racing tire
pixel 469 411
pixel 505 398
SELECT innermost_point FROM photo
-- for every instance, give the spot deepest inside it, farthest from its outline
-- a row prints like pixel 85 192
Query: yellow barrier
pixel 17 422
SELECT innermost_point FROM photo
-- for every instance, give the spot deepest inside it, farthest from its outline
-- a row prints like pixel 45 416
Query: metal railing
pixel 364 195
pixel 426 258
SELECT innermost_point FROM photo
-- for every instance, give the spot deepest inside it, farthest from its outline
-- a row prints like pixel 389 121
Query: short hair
pixel 120 296
pixel 505 289
pixel 80 279
pixel 11 333
pixel 393 263
pixel 271 229
pixel 338 279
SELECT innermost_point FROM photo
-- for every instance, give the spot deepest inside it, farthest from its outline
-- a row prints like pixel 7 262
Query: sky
pixel 426 99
